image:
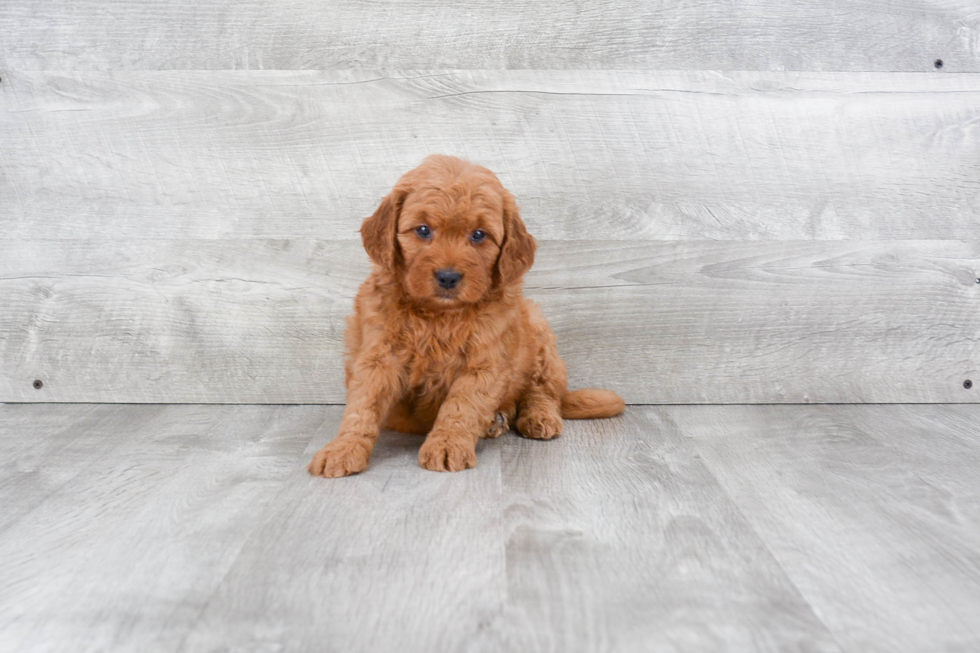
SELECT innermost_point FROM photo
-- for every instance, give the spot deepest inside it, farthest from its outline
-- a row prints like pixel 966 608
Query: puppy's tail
pixel 591 403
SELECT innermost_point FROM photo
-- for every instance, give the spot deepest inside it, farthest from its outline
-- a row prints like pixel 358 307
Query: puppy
pixel 442 342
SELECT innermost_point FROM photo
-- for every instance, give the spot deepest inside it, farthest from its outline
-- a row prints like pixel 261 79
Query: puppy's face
pixel 450 239
pixel 450 232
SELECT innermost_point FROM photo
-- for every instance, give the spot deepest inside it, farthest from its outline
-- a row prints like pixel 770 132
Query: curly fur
pixel 456 364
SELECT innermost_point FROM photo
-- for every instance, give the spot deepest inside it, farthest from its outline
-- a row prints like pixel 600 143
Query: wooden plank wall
pixel 770 203
pixel 828 35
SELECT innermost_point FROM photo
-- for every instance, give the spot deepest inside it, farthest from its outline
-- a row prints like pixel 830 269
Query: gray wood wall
pixel 764 202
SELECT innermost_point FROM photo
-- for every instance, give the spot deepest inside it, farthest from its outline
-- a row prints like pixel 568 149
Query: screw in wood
pixel 968 384
pixel 38 384
pixel 938 63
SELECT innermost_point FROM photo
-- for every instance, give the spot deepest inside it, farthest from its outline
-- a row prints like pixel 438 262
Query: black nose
pixel 448 278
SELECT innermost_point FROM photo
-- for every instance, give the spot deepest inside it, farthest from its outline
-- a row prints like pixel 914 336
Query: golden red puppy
pixel 442 340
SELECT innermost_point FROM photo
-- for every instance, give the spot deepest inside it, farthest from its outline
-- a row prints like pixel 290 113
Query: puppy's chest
pixel 436 355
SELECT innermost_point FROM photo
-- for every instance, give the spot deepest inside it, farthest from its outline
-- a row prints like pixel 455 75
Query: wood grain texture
pixel 399 559
pixel 619 539
pixel 204 532
pixel 126 554
pixel 31 438
pixel 589 154
pixel 866 508
pixel 262 321
pixel 756 35
pixel 682 528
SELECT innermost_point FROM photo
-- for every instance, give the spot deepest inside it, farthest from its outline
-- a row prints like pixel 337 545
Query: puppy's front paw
pixel 441 454
pixel 342 457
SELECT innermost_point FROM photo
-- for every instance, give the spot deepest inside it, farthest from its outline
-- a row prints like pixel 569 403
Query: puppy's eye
pixel 478 236
pixel 423 231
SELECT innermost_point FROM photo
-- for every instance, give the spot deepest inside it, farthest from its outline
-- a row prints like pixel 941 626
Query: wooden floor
pixel 689 528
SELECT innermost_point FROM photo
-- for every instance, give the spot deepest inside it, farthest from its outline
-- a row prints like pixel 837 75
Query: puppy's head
pixel 450 232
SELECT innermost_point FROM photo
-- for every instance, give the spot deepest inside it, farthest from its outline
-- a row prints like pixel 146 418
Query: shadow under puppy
pixel 442 340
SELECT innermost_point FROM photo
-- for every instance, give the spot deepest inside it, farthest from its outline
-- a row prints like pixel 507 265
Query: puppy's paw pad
pixel 498 427
pixel 539 427
pixel 340 458
pixel 442 455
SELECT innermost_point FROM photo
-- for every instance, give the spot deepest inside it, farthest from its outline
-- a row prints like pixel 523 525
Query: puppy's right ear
pixel 379 232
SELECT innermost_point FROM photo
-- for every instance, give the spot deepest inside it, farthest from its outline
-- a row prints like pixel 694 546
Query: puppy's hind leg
pixel 539 415
pixel 539 408
pixel 502 420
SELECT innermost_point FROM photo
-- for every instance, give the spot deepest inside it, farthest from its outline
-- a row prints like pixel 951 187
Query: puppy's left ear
pixel 378 233
pixel 517 251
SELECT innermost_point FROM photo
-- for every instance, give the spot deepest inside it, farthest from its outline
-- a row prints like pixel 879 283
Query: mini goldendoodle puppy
pixel 442 340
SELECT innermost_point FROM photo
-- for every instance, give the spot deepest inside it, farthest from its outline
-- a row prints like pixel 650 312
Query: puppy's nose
pixel 448 279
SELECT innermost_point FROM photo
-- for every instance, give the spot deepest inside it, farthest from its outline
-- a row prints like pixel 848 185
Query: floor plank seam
pixel 748 523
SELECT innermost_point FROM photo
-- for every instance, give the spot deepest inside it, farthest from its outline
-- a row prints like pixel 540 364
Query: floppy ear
pixel 517 251
pixel 378 233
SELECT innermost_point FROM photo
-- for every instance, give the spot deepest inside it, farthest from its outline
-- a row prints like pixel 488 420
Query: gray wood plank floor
pixel 197 528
